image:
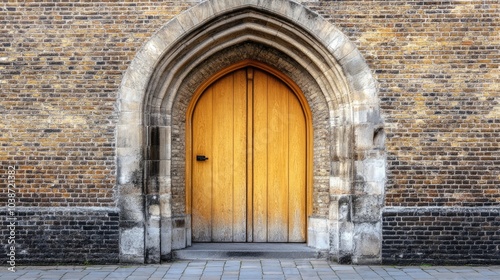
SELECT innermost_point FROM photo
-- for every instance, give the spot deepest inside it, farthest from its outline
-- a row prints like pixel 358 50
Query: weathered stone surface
pixel 318 233
pixel 132 245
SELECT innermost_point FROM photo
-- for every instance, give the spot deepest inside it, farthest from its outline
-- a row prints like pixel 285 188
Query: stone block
pixel 166 205
pixel 371 169
pixel 129 170
pixel 132 245
pixel 131 203
pixel 367 208
pixel 317 233
pixel 199 13
pixel 178 238
pixel 169 33
pixel 165 236
pixel 153 240
pixel 367 240
pixel 166 140
pixel 165 184
pixel 363 136
pixel 129 136
pixel 179 233
pixel 346 234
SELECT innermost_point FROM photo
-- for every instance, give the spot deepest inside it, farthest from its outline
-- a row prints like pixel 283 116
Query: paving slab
pixel 251 269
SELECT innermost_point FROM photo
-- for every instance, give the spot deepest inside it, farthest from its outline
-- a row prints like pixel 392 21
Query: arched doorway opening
pixel 248 157
pixel 348 170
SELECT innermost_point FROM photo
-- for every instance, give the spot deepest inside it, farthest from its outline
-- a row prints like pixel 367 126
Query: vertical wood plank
pixel 223 142
pixel 277 161
pixel 249 151
pixel 202 171
pixel 260 125
pixel 297 157
pixel 240 156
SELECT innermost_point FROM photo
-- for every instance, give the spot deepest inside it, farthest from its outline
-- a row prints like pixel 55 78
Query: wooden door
pixel 252 188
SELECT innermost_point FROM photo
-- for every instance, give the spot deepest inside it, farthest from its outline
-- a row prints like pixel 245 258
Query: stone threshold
pixel 223 251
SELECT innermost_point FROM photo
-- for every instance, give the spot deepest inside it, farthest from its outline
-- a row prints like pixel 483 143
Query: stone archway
pixel 349 160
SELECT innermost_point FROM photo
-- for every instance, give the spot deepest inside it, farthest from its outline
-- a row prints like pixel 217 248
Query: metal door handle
pixel 201 158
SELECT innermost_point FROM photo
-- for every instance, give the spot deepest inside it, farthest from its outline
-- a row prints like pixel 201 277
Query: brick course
pixel 441 236
pixel 63 235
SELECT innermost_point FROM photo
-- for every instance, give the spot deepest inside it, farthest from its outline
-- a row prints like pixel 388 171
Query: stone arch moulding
pixel 349 158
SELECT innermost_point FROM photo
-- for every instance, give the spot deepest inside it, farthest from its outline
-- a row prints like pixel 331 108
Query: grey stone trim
pixel 440 209
pixel 149 94
pixel 64 209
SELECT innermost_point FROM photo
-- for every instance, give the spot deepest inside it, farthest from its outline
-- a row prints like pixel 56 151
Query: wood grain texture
pixel 202 171
pixel 297 165
pixel 277 161
pixel 240 156
pixel 260 158
pixel 253 128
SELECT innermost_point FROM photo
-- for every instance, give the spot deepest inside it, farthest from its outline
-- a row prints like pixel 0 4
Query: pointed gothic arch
pixel 349 166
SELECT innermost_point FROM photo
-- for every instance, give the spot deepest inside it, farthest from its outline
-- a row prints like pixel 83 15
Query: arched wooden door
pixel 249 160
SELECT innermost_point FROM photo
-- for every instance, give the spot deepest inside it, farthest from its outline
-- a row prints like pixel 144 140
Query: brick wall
pixel 61 64
pixel 441 236
pixel 436 63
pixel 62 235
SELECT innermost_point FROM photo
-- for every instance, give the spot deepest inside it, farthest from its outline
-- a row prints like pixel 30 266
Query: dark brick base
pixel 62 235
pixel 441 235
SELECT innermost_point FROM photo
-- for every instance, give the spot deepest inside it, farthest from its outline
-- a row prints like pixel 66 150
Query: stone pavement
pixel 251 269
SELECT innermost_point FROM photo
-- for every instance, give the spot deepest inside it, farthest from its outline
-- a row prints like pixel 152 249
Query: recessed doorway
pixel 248 151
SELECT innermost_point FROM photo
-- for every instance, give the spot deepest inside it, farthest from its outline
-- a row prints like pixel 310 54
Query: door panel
pixel 219 183
pixel 202 171
pixel 269 146
pixel 279 162
pixel 297 166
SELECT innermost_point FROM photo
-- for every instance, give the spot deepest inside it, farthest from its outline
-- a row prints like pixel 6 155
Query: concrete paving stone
pixel 189 278
pixel 212 273
pixel 273 277
pixel 216 263
pixel 197 264
pixel 213 269
pixel 229 277
pixel 249 276
pixel 420 275
pixel 254 269
pixel 192 272
pixel 487 272
pixel 158 274
pixel 328 277
pixel 315 277
pixel 209 277
pixel 172 277
pixel 291 271
pixel 341 267
pixel 286 263
pixel 180 265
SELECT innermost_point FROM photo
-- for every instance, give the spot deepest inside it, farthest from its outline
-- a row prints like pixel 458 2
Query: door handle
pixel 201 158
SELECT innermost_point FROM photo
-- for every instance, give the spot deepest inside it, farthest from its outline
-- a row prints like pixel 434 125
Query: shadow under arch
pixel 339 87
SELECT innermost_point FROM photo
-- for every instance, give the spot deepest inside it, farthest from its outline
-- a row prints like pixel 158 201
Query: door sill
pixel 224 251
